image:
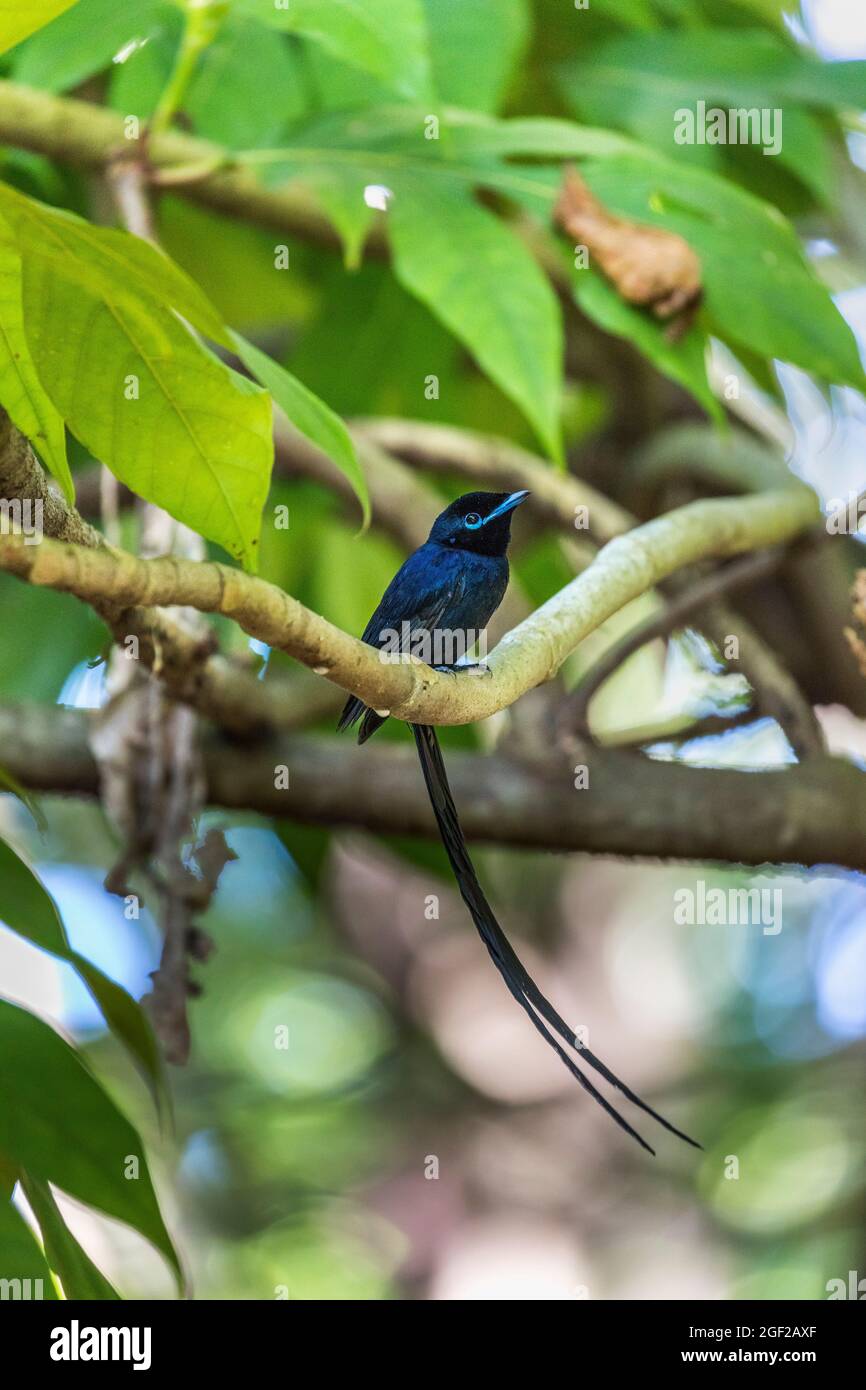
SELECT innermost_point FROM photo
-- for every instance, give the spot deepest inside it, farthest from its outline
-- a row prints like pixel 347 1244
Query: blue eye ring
pixel 472 521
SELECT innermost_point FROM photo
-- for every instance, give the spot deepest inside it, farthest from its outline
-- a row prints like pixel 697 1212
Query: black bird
pixel 445 594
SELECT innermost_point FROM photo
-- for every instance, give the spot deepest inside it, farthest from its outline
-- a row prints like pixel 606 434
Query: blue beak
pixel 508 505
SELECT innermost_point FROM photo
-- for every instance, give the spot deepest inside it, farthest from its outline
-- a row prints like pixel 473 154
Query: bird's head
pixel 478 521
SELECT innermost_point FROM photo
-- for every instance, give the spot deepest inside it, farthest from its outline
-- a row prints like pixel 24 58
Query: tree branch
pixel 574 711
pixel 529 655
pixel 556 498
pixel 189 668
pixel 401 504
pixel 810 813
pixel 79 132
pixel 777 693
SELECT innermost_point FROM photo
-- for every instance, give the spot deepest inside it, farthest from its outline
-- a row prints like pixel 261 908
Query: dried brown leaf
pixel 648 266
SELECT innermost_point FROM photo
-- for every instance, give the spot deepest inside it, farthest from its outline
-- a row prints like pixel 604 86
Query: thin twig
pixel 127 182
pixel 777 693
pixel 573 713
pixel 559 499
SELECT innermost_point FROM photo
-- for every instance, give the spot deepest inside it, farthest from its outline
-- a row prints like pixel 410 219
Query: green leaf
pixel 807 153
pixel 338 155
pixel 638 14
pixel 737 67
pixel 28 909
pixel 169 419
pixel 640 82
pixel 477 135
pixel 20 1257
pixel 83 41
pixel 107 262
pixel 130 1025
pixel 762 372
pixel 725 224
pixel 460 31
pixel 482 282
pixel 387 38
pixel 234 263
pixel 69 634
pixel 309 415
pixel 58 1124
pixel 136 85
pixel 17 21
pixel 775 309
pixel 758 287
pixel 246 88
pixel 76 1271
pixel 21 391
pixel 683 361
pixel 340 195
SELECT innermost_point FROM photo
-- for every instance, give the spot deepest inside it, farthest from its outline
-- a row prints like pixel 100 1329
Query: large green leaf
pixel 478 136
pixel 83 41
pixel 792 313
pixel 20 1256
pixel 58 1124
pixel 69 633
pixel 741 67
pixel 73 1266
pixel 169 419
pixel 17 21
pixel 638 83
pixel 107 262
pixel 247 87
pixel 28 909
pixel 234 262
pixel 483 283
pixel 684 361
pixel 339 155
pixel 309 415
pixel 21 392
pixel 759 289
pixel 387 38
pixel 136 85
pixel 460 31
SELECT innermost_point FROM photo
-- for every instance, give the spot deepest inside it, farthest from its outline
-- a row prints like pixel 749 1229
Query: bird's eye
pixel 472 520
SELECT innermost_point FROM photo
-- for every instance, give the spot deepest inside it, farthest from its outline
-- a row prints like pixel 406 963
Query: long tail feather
pixel 516 977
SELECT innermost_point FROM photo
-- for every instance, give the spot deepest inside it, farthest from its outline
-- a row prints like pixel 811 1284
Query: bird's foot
pixel 471 668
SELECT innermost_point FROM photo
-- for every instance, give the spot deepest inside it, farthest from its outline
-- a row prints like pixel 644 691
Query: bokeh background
pixel 418 1140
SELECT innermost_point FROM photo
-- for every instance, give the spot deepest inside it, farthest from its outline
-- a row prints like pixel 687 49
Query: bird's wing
pixel 421 594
